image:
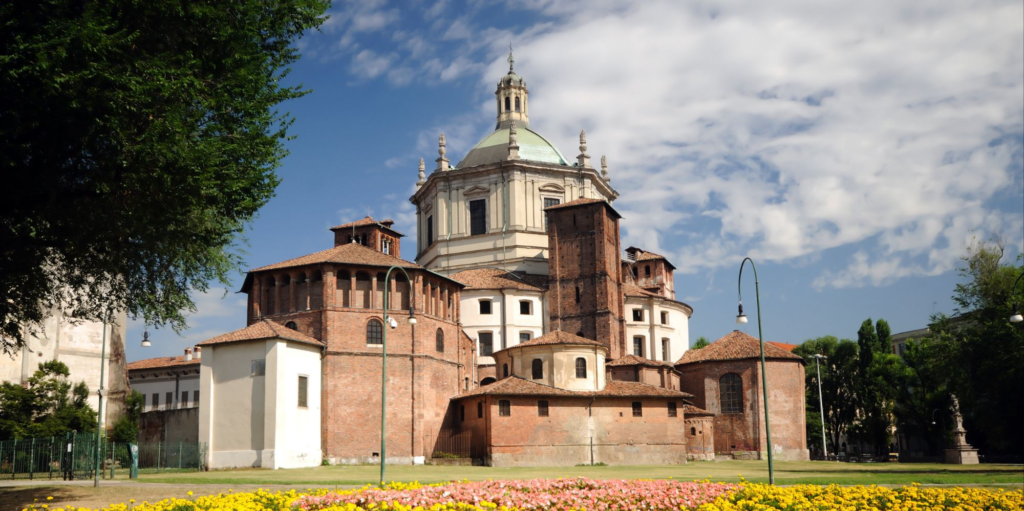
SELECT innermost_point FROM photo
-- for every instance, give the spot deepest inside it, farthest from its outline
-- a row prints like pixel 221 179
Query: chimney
pixel 188 354
pixel 199 353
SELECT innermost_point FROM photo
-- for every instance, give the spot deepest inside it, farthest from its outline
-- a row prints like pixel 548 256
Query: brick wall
pixel 564 437
pixel 700 438
pixel 584 260
pixel 742 435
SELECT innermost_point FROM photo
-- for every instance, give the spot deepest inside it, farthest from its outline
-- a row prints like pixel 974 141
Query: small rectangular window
pixel 485 306
pixel 525 336
pixel 664 318
pixel 430 230
pixel 505 408
pixel 542 408
pixel 477 217
pixel 548 202
pixel 184 400
pixel 638 346
pixel 156 401
pixel 671 409
pixel 303 391
pixel 195 398
pixel 638 314
pixel 170 400
pixel 638 409
pixel 486 344
pixel 524 308
pixel 665 349
pixel 259 367
pixel 480 410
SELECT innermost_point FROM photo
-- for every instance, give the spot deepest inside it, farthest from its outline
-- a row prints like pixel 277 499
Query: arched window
pixel 440 340
pixel 487 381
pixel 581 367
pixel 517 103
pixel 292 325
pixel 508 104
pixel 504 370
pixel 538 369
pixel 579 334
pixel 730 389
pixel 374 332
pixel 693 431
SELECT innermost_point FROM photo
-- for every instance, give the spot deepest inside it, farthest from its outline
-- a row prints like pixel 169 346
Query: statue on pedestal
pixel 961 453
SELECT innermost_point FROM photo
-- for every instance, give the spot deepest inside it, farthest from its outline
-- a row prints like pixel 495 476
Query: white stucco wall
pixel 164 384
pixel 473 322
pixel 255 421
pixel 677 330
pixel 559 365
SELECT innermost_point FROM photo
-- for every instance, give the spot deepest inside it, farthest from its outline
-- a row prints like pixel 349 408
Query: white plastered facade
pixel 252 420
pixel 675 329
pixel 518 324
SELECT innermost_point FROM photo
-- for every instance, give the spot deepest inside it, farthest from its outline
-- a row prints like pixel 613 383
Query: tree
pixel 137 140
pixel 701 342
pixel 980 353
pixel 838 387
pixel 50 405
pixel 881 376
pixel 126 429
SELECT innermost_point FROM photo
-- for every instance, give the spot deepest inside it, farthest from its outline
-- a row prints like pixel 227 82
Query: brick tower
pixel 585 282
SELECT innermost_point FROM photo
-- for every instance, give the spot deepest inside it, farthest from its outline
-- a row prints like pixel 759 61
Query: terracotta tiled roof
pixel 264 329
pixel 736 346
pixel 582 202
pixel 365 221
pixel 784 345
pixel 637 291
pixel 633 360
pixel 558 337
pixel 493 278
pixel 516 386
pixel 348 253
pixel 162 362
pixel 689 409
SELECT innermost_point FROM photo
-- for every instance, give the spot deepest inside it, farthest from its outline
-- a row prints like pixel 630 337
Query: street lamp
pixel 741 319
pixel 821 404
pixel 942 433
pixel 384 359
pixel 145 339
pixel 99 406
pixel 1016 317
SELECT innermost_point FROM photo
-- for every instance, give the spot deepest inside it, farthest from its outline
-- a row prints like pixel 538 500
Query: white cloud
pixel 369 64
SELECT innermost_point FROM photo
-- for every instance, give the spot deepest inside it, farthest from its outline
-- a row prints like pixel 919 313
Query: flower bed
pixel 584 494
pixel 821 498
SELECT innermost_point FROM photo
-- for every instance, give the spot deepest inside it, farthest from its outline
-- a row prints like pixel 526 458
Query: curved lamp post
pixel 1016 317
pixel 741 318
pixel 389 323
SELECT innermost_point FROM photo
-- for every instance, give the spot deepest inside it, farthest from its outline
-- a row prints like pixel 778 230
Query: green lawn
pixel 814 472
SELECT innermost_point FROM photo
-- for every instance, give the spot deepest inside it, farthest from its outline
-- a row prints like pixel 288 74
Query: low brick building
pixel 553 405
pixel 725 378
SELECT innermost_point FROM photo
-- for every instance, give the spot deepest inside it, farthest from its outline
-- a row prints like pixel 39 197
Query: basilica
pixel 520 333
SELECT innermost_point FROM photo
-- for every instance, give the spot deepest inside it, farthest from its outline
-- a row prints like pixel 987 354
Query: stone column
pixel 256 293
pixel 373 292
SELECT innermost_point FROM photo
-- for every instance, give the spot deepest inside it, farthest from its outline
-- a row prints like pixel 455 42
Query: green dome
pixel 494 148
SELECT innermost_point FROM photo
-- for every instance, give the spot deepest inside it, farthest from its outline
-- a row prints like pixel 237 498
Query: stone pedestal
pixel 962 456
pixel 961 453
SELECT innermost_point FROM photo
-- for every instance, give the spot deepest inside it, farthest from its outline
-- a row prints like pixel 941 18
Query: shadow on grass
pixel 24 496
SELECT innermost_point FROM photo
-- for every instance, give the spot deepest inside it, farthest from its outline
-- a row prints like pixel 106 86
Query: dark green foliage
pixel 839 376
pixel 137 139
pixel 50 405
pixel 126 429
pixel 701 342
pixel 980 354
pixel 881 375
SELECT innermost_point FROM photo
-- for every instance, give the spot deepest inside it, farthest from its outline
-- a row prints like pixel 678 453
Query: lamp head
pixel 145 339
pixel 1016 317
pixel 412 317
pixel 741 318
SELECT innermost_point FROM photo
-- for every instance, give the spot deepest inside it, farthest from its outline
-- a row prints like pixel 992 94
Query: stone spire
pixel 511 59
pixel 513 142
pixel 442 161
pixel 604 169
pixel 422 174
pixel 583 159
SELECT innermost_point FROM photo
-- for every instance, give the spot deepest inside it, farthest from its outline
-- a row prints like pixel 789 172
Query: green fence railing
pixel 72 456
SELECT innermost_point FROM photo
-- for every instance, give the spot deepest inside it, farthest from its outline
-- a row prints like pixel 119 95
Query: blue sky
pixel 852 149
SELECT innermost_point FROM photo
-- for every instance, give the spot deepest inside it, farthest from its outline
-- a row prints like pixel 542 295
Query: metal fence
pixel 73 456
pixel 453 444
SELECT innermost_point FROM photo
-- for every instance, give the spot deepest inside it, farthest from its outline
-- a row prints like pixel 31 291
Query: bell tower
pixel 512 98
